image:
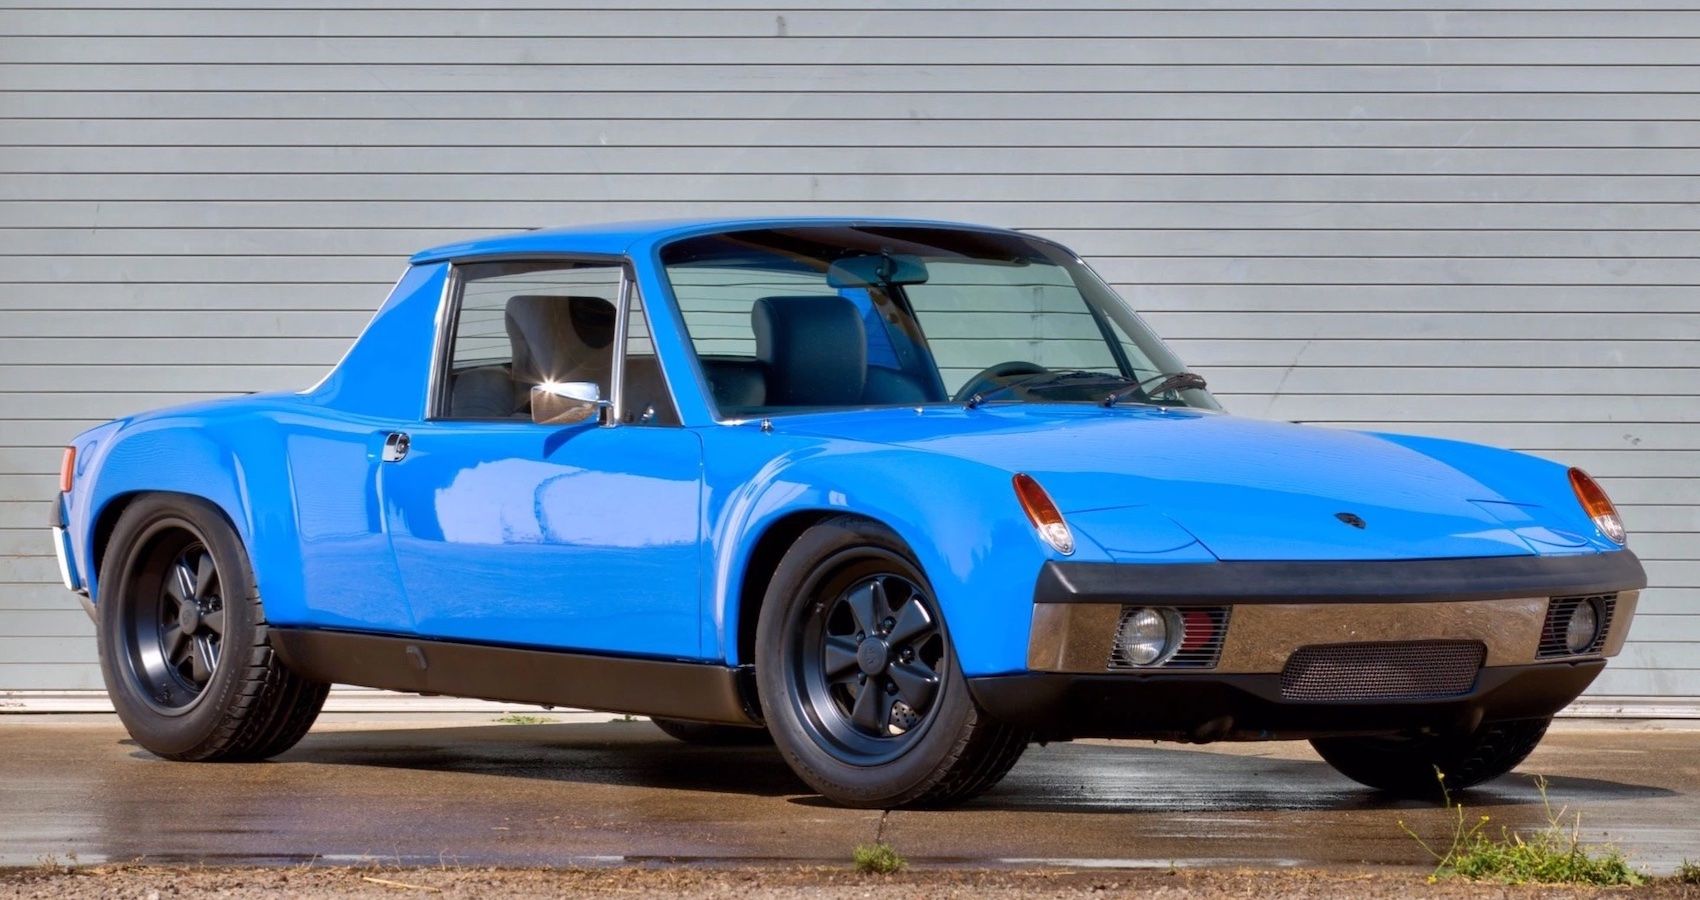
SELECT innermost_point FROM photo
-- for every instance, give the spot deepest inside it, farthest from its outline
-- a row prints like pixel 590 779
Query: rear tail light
pixel 1598 506
pixel 1044 515
pixel 67 466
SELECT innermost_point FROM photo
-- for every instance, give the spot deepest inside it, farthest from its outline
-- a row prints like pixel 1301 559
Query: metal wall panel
pixel 1474 220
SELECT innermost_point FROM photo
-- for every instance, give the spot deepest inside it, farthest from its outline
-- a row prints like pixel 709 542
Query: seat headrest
pixel 815 348
pixel 560 339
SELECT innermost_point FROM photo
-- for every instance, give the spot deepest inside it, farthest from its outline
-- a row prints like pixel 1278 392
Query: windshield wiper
pixel 1039 381
pixel 1179 381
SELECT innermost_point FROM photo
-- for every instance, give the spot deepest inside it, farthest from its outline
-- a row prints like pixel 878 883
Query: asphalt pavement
pixel 462 790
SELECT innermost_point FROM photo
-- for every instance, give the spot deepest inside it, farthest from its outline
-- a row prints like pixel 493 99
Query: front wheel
pixel 1408 766
pixel 183 639
pixel 859 682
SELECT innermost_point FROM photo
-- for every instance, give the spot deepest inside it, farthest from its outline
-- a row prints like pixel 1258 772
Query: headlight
pixel 1597 505
pixel 1583 628
pixel 1146 637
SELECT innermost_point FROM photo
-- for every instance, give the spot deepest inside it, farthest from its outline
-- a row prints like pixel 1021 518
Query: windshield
pixel 788 319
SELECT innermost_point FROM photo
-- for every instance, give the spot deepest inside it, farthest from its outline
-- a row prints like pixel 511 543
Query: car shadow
pixel 1095 777
pixel 632 753
pixel 1127 777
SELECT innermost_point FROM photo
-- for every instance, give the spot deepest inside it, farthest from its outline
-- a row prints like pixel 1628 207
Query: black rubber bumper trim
pixel 1202 707
pixel 1350 581
pixel 56 516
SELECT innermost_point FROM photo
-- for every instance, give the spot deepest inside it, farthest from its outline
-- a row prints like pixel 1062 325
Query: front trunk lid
pixel 1246 489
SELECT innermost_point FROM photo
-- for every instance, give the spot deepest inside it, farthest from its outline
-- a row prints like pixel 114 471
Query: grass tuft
pixel 1553 855
pixel 1687 873
pixel 523 719
pixel 877 859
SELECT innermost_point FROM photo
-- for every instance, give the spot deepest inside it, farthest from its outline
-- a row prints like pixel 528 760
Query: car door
pixel 581 536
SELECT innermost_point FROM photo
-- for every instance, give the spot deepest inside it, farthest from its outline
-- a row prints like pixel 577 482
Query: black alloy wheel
pixel 175 629
pixel 871 662
pixel 859 684
pixel 185 647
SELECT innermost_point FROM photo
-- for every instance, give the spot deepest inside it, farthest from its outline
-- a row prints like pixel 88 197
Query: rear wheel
pixel 183 639
pixel 859 682
pixel 1407 766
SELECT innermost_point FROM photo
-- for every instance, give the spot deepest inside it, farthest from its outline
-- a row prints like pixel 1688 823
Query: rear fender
pixel 198 457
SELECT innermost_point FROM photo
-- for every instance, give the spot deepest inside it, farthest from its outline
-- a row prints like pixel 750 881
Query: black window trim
pixel 448 319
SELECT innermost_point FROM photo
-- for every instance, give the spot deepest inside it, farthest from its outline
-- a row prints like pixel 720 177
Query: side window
pixel 519 324
pixel 647 400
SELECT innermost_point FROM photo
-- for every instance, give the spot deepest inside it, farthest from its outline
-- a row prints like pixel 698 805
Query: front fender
pixel 960 519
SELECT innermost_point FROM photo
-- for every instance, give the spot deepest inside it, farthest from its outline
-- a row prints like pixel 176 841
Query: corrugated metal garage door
pixel 1474 223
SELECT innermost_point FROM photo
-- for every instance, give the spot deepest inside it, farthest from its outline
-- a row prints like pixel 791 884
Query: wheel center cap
pixel 188 617
pixel 872 656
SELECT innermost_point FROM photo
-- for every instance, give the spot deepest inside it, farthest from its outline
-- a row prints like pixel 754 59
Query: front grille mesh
pixel 1559 610
pixel 1391 670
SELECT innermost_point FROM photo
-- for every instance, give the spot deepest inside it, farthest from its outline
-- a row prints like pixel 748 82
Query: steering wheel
pixel 990 376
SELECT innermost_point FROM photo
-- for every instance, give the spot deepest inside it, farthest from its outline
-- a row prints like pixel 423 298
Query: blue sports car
pixel 899 496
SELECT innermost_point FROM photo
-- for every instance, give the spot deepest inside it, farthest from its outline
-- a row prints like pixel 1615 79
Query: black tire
pixel 710 735
pixel 226 696
pixel 1406 766
pixel 918 743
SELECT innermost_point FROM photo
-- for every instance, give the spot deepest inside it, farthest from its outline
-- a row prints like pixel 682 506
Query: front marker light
pixel 1043 513
pixel 1598 506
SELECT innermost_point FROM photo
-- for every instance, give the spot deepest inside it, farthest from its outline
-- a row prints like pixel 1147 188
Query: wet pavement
pixel 457 791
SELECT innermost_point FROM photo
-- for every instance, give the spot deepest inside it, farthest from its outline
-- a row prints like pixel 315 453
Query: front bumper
pixel 1298 649
pixel 1202 707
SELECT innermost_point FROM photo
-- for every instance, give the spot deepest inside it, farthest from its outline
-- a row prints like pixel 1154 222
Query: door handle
pixel 395 446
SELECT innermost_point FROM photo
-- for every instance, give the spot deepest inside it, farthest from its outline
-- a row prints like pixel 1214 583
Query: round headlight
pixel 1144 637
pixel 1583 628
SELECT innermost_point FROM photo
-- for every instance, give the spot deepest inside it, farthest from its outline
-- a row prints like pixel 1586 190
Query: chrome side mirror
pixel 565 403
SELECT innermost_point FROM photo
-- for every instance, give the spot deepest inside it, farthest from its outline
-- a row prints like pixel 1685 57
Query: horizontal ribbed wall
pixel 1474 222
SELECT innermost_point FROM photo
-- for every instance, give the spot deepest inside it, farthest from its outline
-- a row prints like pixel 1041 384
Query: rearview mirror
pixel 881 270
pixel 565 403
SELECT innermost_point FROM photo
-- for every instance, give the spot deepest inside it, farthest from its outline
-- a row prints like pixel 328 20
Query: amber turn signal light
pixel 1043 513
pixel 1597 505
pixel 67 466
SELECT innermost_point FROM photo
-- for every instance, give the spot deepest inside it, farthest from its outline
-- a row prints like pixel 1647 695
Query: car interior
pixel 810 351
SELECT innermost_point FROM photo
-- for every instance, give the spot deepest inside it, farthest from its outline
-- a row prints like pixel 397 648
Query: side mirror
pixel 565 403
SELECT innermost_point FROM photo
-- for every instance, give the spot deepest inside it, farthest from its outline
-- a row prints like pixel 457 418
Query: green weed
pixel 523 719
pixel 1553 855
pixel 877 859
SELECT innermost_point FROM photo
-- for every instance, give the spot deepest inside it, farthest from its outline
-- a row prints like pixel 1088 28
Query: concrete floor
pixel 457 789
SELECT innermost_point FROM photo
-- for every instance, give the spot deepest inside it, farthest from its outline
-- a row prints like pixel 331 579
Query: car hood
pixel 1143 480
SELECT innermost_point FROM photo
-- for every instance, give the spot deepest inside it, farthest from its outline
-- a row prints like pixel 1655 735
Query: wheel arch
pixel 960 523
pixel 769 547
pixel 106 520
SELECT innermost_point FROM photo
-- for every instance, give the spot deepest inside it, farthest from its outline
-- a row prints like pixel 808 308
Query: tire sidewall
pixel 886 784
pixel 181 733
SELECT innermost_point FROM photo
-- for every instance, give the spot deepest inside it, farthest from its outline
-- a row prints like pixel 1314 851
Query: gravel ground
pixel 154 882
